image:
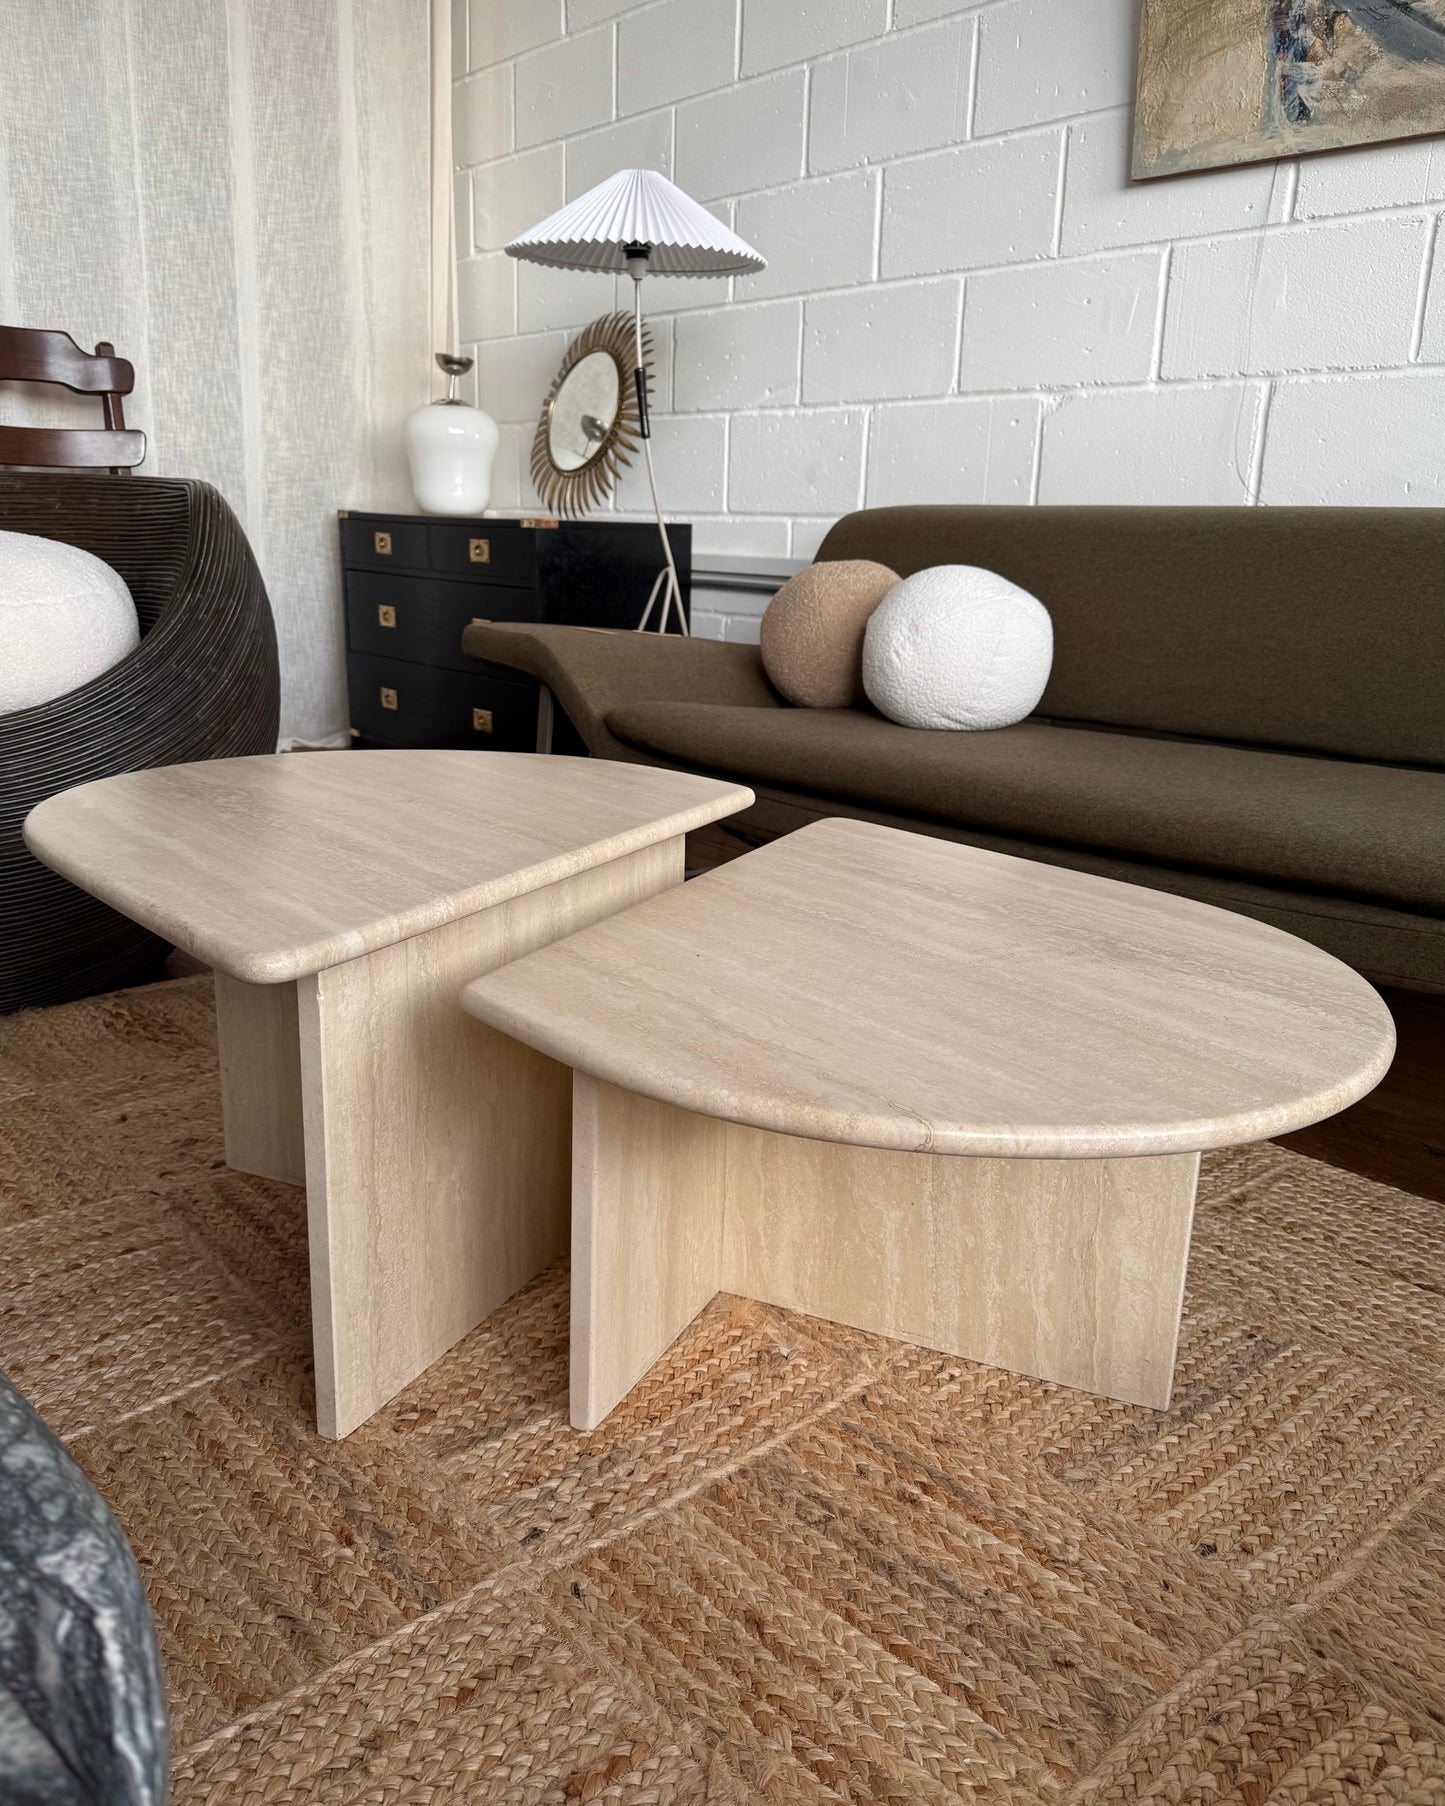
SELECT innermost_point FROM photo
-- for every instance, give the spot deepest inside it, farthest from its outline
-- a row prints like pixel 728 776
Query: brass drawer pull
pixel 382 542
pixel 388 698
pixel 479 551
pixel 482 721
pixel 385 614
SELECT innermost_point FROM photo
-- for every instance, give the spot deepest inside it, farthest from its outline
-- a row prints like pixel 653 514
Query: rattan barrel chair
pixel 202 684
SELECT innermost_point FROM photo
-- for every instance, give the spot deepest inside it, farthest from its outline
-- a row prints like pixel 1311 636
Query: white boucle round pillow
pixel 957 647
pixel 64 618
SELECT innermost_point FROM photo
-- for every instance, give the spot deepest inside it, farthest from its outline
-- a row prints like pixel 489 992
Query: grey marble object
pixel 82 1703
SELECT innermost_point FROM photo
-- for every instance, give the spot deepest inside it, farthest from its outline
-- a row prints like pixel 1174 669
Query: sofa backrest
pixel 1316 628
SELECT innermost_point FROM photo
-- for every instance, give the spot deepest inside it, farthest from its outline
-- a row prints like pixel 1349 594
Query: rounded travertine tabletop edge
pixel 270 869
pixel 1064 1046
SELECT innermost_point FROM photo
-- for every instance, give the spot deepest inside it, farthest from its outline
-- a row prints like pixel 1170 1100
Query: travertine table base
pixel 344 899
pixel 433 1151
pixel 920 1089
pixel 1070 1270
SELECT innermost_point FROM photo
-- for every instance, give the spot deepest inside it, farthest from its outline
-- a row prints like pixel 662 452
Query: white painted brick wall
pixel 908 92
pixel 644 142
pixel 798 463
pixel 973 206
pixel 1104 210
pixel 1114 446
pixel 1040 60
pixel 1090 320
pixel 972 451
pixel 737 357
pixel 1357 442
pixel 673 49
pixel 875 343
pixel 966 298
pixel 1379 175
pixel 503 28
pixel 514 193
pixel 551 297
pixel 1315 297
pixel 747 137
pixel 692 449
pixel 822 234
pixel 566 87
pixel 776 34
pixel 513 373
pixel 484 120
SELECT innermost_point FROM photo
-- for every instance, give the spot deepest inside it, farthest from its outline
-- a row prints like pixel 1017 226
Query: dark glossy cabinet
pixel 412 583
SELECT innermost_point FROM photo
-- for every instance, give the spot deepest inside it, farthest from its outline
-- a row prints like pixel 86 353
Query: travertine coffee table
pixel 926 1090
pixel 343 899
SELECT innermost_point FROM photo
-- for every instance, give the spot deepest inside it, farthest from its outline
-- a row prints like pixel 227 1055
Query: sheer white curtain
pixel 236 193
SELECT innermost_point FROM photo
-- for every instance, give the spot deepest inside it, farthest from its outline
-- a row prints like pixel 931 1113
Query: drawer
pixel 396 704
pixel 422 621
pixel 365 542
pixel 486 553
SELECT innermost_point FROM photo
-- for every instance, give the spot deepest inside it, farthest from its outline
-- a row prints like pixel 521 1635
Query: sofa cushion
pixel 811 636
pixel 1363 830
pixel 956 647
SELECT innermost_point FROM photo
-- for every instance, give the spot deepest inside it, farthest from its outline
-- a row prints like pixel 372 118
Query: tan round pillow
pixel 812 631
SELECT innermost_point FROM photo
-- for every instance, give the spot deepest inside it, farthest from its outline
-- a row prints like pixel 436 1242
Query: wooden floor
pixel 1397 1133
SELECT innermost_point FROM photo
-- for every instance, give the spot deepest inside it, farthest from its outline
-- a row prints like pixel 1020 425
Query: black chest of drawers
pixel 412 582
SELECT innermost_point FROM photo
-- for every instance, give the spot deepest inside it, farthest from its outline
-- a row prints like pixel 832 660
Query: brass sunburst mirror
pixel 588 430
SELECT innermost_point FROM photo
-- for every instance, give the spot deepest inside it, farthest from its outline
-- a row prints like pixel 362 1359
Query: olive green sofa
pixel 1247 706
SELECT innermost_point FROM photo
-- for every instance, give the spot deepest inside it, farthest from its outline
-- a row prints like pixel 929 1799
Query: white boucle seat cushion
pixel 65 617
pixel 957 647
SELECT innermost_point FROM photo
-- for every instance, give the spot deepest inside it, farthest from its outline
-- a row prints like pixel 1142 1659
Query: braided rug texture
pixel 796 1565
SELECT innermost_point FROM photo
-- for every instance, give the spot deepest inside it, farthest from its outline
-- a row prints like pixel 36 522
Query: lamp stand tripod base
pixel 665 587
pixel 666 584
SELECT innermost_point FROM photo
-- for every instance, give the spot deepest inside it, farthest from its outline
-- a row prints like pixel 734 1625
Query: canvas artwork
pixel 1235 81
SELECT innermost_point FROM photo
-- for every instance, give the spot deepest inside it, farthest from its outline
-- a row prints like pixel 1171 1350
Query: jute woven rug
pixel 796 1565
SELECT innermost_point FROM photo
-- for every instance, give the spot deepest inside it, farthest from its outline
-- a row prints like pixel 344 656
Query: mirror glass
pixel 587 430
pixel 583 410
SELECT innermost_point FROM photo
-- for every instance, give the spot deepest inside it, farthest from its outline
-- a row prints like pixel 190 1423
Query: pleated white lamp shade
pixel 637 207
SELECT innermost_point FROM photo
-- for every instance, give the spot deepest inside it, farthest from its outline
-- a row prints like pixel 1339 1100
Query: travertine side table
pixel 922 1089
pixel 344 899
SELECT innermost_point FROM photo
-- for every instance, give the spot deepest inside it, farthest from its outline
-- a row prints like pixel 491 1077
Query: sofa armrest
pixel 593 670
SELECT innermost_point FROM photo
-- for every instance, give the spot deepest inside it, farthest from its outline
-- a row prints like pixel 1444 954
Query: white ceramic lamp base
pixel 450 448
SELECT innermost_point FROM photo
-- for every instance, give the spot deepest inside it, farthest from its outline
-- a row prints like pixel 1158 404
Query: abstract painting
pixel 1235 81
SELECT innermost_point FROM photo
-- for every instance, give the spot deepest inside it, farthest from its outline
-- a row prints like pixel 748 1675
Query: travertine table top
pixel 276 866
pixel 857 984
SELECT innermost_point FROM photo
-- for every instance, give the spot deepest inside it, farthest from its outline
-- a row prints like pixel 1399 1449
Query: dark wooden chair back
pixel 31 354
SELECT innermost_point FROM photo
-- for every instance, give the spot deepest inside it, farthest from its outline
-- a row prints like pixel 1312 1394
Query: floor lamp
pixel 639 222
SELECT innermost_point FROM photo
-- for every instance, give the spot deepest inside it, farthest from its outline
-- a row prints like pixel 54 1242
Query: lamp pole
pixel 667 580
